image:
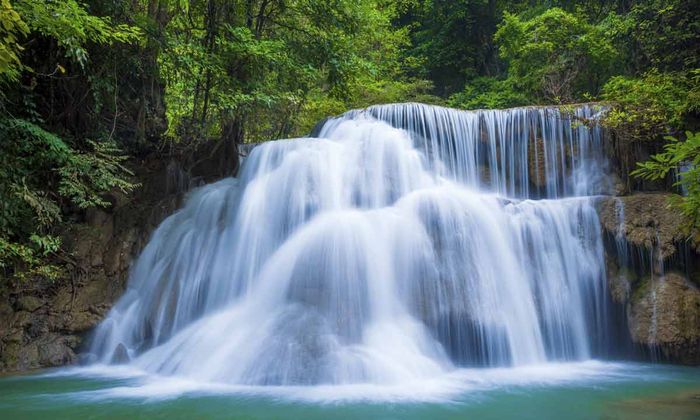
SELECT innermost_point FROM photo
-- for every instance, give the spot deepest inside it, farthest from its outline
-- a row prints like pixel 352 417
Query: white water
pixel 394 248
pixel 458 385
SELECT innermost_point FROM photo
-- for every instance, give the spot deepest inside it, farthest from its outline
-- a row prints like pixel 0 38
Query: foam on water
pixel 460 385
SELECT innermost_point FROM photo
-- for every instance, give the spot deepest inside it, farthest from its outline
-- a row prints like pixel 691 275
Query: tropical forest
pixel 314 209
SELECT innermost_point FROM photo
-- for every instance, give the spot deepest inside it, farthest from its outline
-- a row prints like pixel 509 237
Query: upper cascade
pixel 399 244
pixel 529 152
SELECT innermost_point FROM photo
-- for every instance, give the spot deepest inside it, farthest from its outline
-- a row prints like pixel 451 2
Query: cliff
pixel 652 267
pixel 44 324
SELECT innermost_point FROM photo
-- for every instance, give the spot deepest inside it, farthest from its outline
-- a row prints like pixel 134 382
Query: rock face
pixel 665 313
pixel 649 221
pixel 654 274
pixel 44 324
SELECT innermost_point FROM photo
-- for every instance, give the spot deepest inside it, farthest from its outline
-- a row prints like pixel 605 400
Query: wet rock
pixel 96 290
pixel 119 253
pixel 619 280
pixel 28 357
pixel 663 305
pixel 617 186
pixel 665 313
pixel 9 356
pixel 6 318
pixel 97 217
pixel 44 325
pixel 121 355
pixel 536 164
pixel 37 327
pixel 56 350
pixel 21 319
pixel 649 221
pixel 5 310
pixel 16 336
pixel 82 321
pixel 29 303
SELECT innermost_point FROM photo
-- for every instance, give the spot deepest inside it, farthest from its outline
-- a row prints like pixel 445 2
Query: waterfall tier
pixel 403 242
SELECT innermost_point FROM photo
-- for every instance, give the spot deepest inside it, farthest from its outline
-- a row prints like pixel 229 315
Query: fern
pixel 41 174
pixel 678 154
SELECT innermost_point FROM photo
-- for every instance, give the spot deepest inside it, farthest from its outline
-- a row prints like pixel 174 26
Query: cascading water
pixel 403 242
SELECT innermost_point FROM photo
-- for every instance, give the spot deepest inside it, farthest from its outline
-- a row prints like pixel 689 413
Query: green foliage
pixel 43 176
pixel 682 157
pixel 319 105
pixel 72 71
pixel 24 261
pixel 12 28
pixel 488 93
pixel 452 41
pixel 85 176
pixel 235 69
pixel 39 175
pixel 555 56
pixel 663 34
pixel 40 172
pixel 653 104
pixel 72 27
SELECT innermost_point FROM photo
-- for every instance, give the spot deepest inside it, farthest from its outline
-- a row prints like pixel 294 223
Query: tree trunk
pixel 151 119
pixel 232 134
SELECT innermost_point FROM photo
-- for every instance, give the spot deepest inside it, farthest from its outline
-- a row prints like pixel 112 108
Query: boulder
pixel 665 314
pixel 649 221
pixel 662 300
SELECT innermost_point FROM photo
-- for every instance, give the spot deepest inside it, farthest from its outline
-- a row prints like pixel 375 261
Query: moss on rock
pixel 665 313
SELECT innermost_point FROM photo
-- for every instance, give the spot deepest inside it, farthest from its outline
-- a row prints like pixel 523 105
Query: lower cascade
pixel 401 243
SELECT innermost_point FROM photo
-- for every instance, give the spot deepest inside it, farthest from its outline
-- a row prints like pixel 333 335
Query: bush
pixel 555 56
pixel 682 158
pixel 488 93
pixel 41 177
pixel 653 105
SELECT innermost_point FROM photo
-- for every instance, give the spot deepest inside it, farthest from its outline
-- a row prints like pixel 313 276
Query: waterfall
pixel 403 242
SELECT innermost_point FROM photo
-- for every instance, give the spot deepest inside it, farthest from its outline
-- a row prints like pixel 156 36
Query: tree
pixel 662 34
pixel 453 41
pixel 653 105
pixel 42 173
pixel 229 63
pixel 555 56
pixel 12 28
pixel 489 93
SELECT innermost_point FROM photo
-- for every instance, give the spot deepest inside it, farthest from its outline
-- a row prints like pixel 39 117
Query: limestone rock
pixel 663 305
pixel 665 312
pixel 649 221
pixel 619 280
pixel 29 303
pixel 56 350
pixel 536 164
pixel 44 325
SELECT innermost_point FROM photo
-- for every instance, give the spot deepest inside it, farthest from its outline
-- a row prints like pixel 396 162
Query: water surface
pixel 571 390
